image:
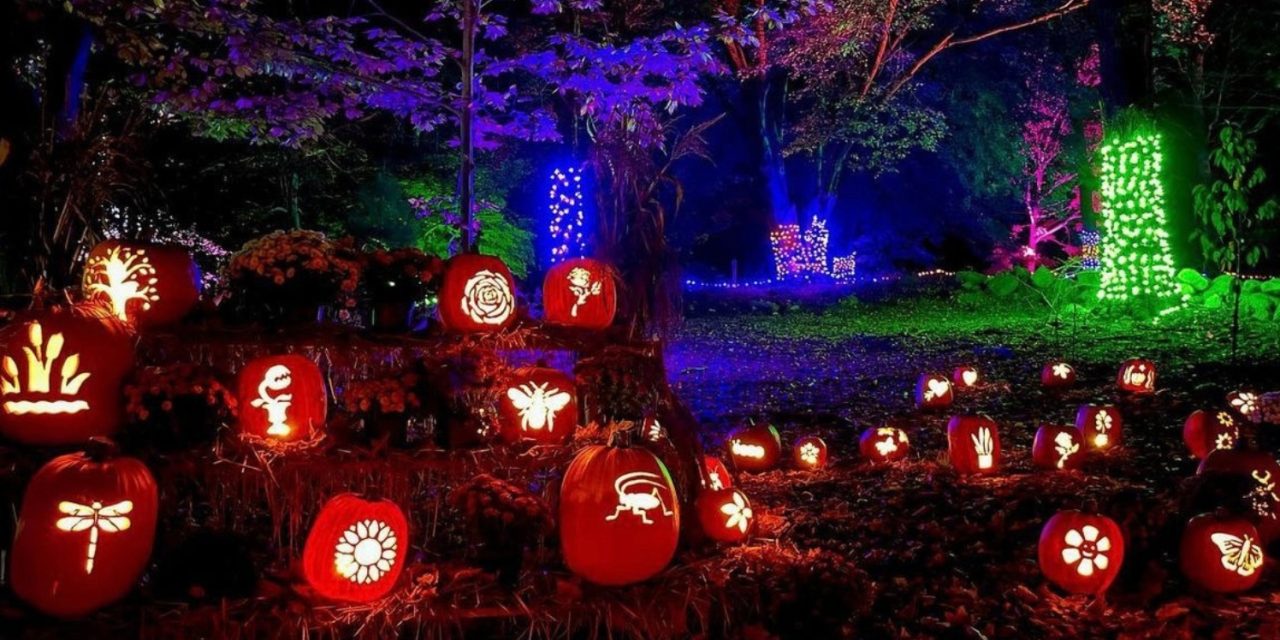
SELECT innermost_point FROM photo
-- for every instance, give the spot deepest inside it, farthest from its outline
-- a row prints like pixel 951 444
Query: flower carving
pixel 487 298
pixel 365 551
pixel 809 453
pixel 739 513
pixel 1086 549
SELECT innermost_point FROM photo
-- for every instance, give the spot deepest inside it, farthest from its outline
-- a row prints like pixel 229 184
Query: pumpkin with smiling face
pixel 85 531
pixel 1081 553
pixel 477 295
pixel 149 285
pixel 61 371
pixel 1221 553
pixel 933 391
pixel 1137 376
pixel 356 549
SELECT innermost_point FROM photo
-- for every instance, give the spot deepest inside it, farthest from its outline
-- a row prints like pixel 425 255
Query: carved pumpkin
pixel 356 549
pixel 717 475
pixel 1222 554
pixel 755 448
pixel 85 532
pixel 1137 376
pixel 1057 446
pixel 1081 553
pixel 1206 431
pixel 724 514
pixel 580 293
pixel 619 515
pixel 1101 426
pixel 538 404
pixel 974 444
pixel 477 295
pixel 965 377
pixel 60 376
pixel 653 429
pixel 884 444
pixel 1244 403
pixel 810 452
pixel 149 285
pixel 1056 375
pixel 1258 473
pixel 933 391
pixel 282 398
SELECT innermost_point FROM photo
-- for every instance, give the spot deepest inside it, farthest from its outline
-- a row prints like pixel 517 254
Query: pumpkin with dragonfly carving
pixel 85 531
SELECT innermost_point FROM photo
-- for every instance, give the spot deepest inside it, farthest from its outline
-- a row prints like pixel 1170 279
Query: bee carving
pixel 538 404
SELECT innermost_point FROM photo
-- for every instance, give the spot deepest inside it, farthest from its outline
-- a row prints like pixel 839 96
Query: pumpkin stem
pixel 623 436
pixel 1090 506
pixel 101 449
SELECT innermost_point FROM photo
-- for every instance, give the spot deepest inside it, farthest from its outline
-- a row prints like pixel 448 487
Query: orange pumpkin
pixel 1057 447
pixel 146 284
pixel 1081 553
pixel 619 514
pixel 580 293
pixel 356 549
pixel 717 475
pixel 1137 376
pixel 810 452
pixel 60 376
pixel 1244 403
pixel 724 514
pixel 1206 431
pixel 538 404
pixel 965 376
pixel 1258 473
pixel 85 532
pixel 282 398
pixel 1056 375
pixel 973 443
pixel 477 295
pixel 755 448
pixel 933 391
pixel 1221 554
pixel 1101 425
pixel 884 444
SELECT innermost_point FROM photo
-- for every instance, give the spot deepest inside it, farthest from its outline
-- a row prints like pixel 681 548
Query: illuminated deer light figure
pixel 581 285
pixel 94 517
pixel 121 276
pixel 278 378
pixel 633 498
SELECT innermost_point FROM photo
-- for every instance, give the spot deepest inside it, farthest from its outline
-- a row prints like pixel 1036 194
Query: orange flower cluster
pixel 396 394
pixel 154 389
pixel 283 257
pixel 401 274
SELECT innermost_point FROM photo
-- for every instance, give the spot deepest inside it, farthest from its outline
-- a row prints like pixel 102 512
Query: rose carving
pixel 487 298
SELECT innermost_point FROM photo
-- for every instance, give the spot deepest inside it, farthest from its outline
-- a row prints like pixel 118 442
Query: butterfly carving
pixel 1240 554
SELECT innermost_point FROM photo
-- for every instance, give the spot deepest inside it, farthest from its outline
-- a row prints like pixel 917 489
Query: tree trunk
pixel 466 134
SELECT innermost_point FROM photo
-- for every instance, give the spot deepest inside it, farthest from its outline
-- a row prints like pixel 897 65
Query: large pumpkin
pixel 1259 473
pixel 1221 554
pixel 755 447
pixel 538 404
pixel 147 284
pixel 724 514
pixel 1057 374
pixel 1081 553
pixel 580 293
pixel 477 295
pixel 1137 376
pixel 1205 431
pixel 810 452
pixel 884 444
pixel 85 532
pixel 1057 446
pixel 60 376
pixel 973 443
pixel 933 391
pixel 356 549
pixel 282 398
pixel 619 515
pixel 1101 425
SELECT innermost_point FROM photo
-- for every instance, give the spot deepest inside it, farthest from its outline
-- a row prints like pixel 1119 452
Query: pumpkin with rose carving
pixel 1057 447
pixel 1080 552
pixel 477 295
pixel 580 293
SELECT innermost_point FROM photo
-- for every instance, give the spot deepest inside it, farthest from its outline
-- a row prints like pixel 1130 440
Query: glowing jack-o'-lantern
pixel 1101 425
pixel 619 514
pixel 725 514
pixel 1259 473
pixel 538 404
pixel 1205 431
pixel 933 391
pixel 974 444
pixel 1137 376
pixel 755 448
pixel 1081 553
pixel 356 548
pixel 85 532
pixel 1244 403
pixel 1222 554
pixel 580 293
pixel 477 295
pixel 60 376
pixel 1057 447
pixel 965 376
pixel 884 444
pixel 1056 375
pixel 717 475
pixel 282 398
pixel 810 452
pixel 147 284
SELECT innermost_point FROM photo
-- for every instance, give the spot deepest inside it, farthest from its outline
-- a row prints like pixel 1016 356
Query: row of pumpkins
pixel 61 369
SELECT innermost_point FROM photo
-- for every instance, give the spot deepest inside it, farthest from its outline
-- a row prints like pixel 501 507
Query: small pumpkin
pixel 884 444
pixel 973 443
pixel 1057 375
pixel 716 474
pixel 725 514
pixel 149 285
pixel 477 295
pixel 1081 553
pixel 85 531
pixel 356 549
pixel 538 404
pixel 1221 554
pixel 810 453
pixel 580 293
pixel 619 514
pixel 282 398
pixel 1056 447
pixel 1101 425
pixel 1244 403
pixel 965 376
pixel 933 391
pixel 1137 376
pixel 1205 431
pixel 755 448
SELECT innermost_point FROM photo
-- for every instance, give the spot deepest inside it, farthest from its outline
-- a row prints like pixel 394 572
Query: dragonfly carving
pixel 94 518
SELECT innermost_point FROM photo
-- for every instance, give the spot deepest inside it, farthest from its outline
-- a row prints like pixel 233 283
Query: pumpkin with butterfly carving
pixel 1221 553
